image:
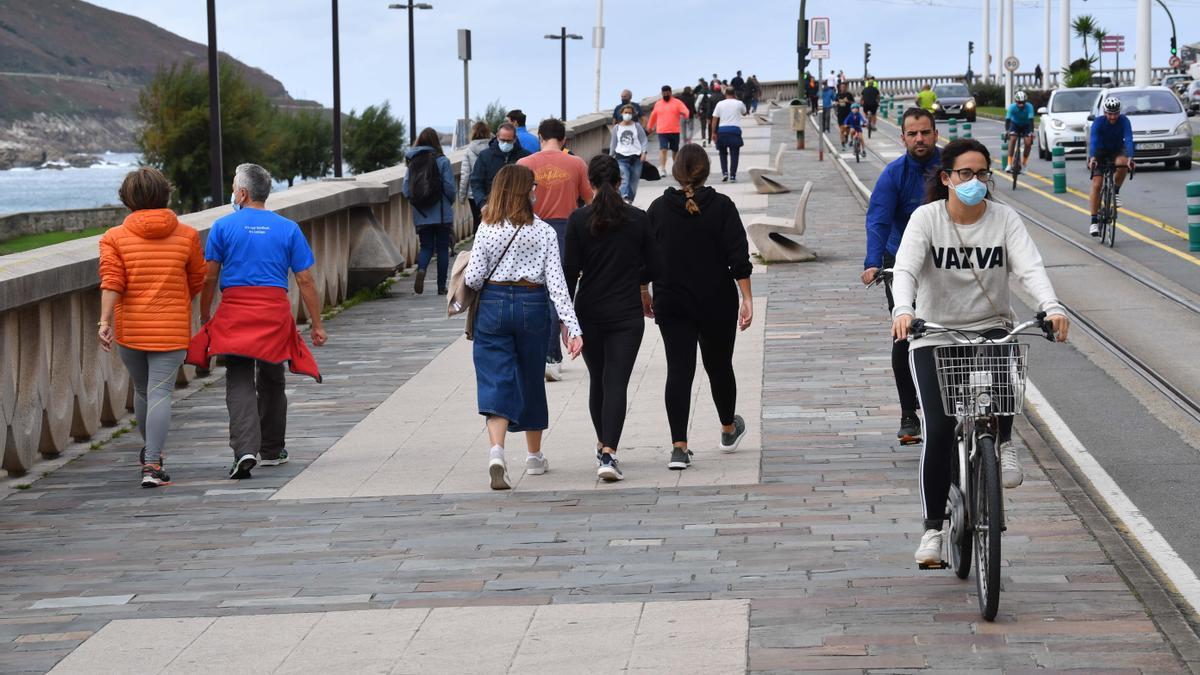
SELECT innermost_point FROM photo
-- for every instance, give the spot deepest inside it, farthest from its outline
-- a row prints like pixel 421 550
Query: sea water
pixel 51 189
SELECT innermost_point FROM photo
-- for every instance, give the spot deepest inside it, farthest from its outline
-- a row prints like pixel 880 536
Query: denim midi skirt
pixel 510 346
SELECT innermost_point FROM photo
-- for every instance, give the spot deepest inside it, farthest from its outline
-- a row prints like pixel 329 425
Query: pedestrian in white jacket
pixel 481 135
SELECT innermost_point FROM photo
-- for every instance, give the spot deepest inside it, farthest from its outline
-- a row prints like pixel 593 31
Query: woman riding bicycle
pixel 956 259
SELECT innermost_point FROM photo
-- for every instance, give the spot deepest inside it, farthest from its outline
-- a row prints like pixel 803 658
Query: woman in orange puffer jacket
pixel 151 266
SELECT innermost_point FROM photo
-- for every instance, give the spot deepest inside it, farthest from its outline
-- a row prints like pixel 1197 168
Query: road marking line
pixel 1161 554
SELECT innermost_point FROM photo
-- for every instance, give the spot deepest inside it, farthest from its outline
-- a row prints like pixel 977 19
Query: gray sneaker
pixel 730 441
pixel 680 459
pixel 536 466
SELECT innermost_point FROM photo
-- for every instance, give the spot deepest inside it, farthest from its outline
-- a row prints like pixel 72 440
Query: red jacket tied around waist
pixel 255 322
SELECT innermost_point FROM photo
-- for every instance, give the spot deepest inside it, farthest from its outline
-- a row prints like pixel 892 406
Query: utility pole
pixel 412 67
pixel 464 55
pixel 1064 40
pixel 1008 51
pixel 598 45
pixel 564 36
pixel 216 174
pixel 986 42
pixel 1046 70
pixel 337 99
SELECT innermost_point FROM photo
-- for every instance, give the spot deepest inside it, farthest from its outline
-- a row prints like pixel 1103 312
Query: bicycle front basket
pixel 965 372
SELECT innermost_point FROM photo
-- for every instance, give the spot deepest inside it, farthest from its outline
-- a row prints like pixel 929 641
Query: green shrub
pixel 988 94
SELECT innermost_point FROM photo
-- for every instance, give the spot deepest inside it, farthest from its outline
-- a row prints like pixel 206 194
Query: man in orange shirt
pixel 560 186
pixel 664 120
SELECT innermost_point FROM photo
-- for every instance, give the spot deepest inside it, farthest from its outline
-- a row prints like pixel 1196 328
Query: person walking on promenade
pixel 1037 73
pixel 429 187
pixel 610 254
pixel 705 102
pixel 249 254
pixel 705 261
pixel 561 184
pixel 151 267
pixel 627 100
pixel 976 298
pixel 481 136
pixel 628 146
pixel 753 91
pixel 665 121
pixel 500 152
pixel 524 137
pixel 727 129
pixel 827 98
pixel 688 99
pixel 515 264
pixel 714 85
pixel 898 192
pixel 738 84
pixel 813 91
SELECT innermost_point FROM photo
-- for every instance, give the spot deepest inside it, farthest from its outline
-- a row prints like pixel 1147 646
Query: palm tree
pixel 1084 26
pixel 1099 34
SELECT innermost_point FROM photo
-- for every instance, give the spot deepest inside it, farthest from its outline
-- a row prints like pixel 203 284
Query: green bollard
pixel 1060 169
pixel 953 129
pixel 1193 211
pixel 966 130
pixel 1004 152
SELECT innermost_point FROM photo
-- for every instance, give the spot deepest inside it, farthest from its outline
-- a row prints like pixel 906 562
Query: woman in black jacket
pixel 610 253
pixel 705 261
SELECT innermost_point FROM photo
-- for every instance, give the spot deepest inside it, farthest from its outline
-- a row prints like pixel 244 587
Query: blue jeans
pixel 554 348
pixel 510 355
pixel 631 172
pixel 435 239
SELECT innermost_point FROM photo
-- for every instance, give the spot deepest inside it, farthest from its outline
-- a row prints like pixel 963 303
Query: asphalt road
pixel 1144 442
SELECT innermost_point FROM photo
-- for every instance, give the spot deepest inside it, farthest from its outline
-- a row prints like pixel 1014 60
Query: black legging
pixel 609 353
pixel 938 453
pixel 900 368
pixel 680 337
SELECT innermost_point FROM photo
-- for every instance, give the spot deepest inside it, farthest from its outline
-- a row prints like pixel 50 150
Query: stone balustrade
pixel 58 386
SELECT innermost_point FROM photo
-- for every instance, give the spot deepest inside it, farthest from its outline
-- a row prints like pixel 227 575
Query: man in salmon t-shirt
pixel 560 184
pixel 664 120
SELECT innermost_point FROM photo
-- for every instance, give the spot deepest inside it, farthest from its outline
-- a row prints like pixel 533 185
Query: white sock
pixel 497 452
pixel 537 454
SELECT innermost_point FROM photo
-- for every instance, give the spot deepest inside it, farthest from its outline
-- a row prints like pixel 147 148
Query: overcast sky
pixel 649 43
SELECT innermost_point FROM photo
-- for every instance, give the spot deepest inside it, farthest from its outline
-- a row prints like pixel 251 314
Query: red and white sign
pixel 1175 62
pixel 1113 43
pixel 818 31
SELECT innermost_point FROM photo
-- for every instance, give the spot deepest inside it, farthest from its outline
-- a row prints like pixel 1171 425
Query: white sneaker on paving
pixel 1094 230
pixel 1010 467
pixel 499 474
pixel 535 465
pixel 554 372
pixel 930 550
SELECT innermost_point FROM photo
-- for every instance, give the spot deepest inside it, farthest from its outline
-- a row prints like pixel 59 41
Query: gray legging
pixel 153 375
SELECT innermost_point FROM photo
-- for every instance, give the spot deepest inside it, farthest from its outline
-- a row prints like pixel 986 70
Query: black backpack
pixel 424 180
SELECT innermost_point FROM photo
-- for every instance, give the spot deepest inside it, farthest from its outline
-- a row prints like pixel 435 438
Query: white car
pixel 1064 121
pixel 1161 130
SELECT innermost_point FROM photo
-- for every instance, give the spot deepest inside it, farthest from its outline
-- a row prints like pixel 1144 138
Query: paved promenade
pixel 379 548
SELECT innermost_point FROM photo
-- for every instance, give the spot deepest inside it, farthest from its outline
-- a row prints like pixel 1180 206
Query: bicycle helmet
pixel 854 106
pixel 1112 104
pixel 1020 97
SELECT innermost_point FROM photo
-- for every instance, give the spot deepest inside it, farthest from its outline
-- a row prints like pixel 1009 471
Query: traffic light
pixel 866 53
pixel 802 45
pixel 970 47
pixel 1174 50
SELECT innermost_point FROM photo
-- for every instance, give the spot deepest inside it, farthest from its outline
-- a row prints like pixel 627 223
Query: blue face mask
pixel 233 201
pixel 506 146
pixel 971 192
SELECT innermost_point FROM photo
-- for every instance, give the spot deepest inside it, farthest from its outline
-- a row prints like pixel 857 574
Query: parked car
pixel 1175 81
pixel 1102 81
pixel 1191 98
pixel 1161 130
pixel 1065 121
pixel 953 100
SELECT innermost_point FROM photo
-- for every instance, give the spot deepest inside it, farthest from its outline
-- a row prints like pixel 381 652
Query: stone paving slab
pixel 706 636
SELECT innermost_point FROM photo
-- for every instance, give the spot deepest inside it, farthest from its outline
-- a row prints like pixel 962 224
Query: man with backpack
pixel 429 187
pixel 504 149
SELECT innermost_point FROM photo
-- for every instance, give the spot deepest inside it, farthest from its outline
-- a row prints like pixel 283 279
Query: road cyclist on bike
pixel 842 102
pixel 954 264
pixel 1109 142
pixel 870 101
pixel 1018 123
pixel 854 123
pixel 898 192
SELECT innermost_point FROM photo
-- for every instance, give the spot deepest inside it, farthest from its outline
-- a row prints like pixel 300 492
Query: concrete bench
pixel 778 239
pixel 762 178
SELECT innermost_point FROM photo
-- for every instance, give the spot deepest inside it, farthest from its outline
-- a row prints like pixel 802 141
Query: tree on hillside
pixel 174 138
pixel 374 140
pixel 300 145
pixel 493 115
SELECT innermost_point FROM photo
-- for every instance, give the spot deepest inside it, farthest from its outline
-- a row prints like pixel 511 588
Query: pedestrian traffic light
pixel 1174 50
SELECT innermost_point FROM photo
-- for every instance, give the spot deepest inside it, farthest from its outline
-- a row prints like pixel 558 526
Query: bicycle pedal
pixel 941 565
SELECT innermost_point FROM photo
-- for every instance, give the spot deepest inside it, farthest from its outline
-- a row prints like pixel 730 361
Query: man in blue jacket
pixel 1110 141
pixel 504 149
pixel 827 94
pixel 898 192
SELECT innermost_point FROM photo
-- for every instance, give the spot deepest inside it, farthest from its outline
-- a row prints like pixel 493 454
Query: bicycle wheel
pixel 958 540
pixel 1016 167
pixel 988 518
pixel 1109 235
pixel 858 149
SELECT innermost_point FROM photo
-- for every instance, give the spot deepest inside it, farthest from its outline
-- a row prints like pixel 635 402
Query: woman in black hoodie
pixel 705 260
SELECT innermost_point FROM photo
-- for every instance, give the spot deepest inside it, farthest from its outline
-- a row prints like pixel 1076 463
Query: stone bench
pixel 778 239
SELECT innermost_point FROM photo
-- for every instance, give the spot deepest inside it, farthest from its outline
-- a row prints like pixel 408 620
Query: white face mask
pixel 627 116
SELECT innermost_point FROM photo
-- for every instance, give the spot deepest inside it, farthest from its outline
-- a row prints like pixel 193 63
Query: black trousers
pixel 937 456
pixel 715 338
pixel 254 394
pixel 609 352
pixel 900 368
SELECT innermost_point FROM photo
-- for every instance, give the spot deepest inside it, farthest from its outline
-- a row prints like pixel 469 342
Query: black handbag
pixel 650 172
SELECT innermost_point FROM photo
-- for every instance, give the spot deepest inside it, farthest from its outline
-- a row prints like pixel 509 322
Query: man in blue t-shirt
pixel 1018 121
pixel 250 254
pixel 1109 142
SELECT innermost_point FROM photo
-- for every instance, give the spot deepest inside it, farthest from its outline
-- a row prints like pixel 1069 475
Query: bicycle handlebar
pixel 882 276
pixel 920 328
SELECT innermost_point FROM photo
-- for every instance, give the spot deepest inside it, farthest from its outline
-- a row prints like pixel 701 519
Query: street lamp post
pixel 564 36
pixel 216 175
pixel 337 99
pixel 412 68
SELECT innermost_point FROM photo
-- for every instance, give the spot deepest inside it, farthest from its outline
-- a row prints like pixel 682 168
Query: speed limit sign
pixel 1011 64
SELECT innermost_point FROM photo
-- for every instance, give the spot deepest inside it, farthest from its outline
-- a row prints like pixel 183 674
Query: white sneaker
pixel 1117 199
pixel 1010 467
pixel 1094 230
pixel 930 550
pixel 499 474
pixel 554 372
pixel 536 466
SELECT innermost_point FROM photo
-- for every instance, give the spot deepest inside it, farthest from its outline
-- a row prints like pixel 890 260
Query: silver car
pixel 1191 97
pixel 1064 121
pixel 1161 130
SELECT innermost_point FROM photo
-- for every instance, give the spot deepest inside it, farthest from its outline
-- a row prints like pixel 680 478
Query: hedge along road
pixel 1147 445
